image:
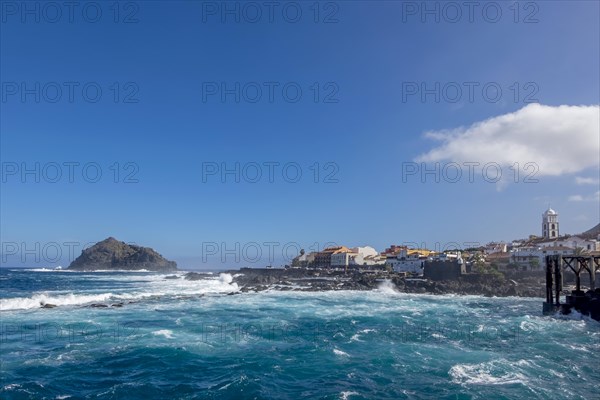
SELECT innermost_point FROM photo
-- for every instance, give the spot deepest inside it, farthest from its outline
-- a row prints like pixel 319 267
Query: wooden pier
pixel 587 303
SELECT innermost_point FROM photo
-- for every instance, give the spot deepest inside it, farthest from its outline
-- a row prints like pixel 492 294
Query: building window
pixel 552 226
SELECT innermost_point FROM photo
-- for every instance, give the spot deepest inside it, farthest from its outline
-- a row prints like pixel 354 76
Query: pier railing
pixel 556 266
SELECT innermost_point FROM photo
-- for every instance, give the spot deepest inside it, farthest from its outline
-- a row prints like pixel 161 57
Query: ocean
pixel 147 337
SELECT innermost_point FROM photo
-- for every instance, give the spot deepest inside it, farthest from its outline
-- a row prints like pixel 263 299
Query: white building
pixel 527 258
pixel 365 251
pixel 574 242
pixel 355 256
pixel 534 258
pixel 342 259
pixel 449 256
pixel 550 224
pixel 409 260
pixel 492 248
pixel 303 260
pixel 373 260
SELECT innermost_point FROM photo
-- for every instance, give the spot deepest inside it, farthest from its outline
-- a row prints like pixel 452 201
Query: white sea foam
pixel 57 269
pixel 61 269
pixel 356 336
pixel 387 287
pixel 41 299
pixel 486 373
pixel 340 353
pixel 226 278
pixel 149 286
pixel 114 270
pixel 164 332
pixel 346 394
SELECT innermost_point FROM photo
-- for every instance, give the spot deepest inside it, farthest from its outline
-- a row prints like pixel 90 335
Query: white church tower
pixel 550 224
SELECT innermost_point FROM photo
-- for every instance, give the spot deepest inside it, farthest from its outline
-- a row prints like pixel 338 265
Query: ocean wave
pixel 387 287
pixel 499 372
pixel 225 278
pixel 41 299
pixel 61 269
pixel 152 287
pixel 115 270
pixel 164 332
pixel 357 336
pixel 340 353
pixel 57 269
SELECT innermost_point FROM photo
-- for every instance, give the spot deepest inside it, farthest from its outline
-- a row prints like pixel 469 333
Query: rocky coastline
pixel 307 280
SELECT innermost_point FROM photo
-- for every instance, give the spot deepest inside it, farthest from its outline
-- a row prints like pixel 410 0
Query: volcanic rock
pixel 111 254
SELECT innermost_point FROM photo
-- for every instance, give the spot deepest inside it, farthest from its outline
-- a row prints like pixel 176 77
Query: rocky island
pixel 112 254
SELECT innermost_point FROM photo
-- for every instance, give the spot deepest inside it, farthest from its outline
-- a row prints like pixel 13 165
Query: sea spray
pixel 43 299
pixel 225 278
pixel 388 287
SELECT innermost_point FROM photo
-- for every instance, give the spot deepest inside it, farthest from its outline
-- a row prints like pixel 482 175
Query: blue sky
pixel 166 62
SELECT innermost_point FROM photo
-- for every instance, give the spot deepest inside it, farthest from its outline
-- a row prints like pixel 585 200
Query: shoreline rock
pixel 323 280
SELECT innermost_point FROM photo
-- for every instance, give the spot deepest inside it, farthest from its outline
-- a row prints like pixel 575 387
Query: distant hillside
pixel 592 233
pixel 111 254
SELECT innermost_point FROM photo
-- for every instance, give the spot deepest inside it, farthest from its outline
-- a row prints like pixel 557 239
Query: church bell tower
pixel 550 224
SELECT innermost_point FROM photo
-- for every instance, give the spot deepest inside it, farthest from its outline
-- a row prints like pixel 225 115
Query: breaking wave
pixel 149 286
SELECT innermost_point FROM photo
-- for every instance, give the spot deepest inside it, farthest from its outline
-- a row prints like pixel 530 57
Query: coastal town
pixel 498 269
pixel 522 255
pixel 516 268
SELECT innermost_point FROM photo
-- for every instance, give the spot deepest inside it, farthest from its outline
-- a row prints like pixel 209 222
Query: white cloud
pixel 578 197
pixel 559 140
pixel 586 181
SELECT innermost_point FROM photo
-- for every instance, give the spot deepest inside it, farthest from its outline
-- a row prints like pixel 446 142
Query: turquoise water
pixel 177 339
